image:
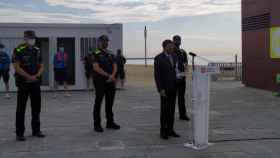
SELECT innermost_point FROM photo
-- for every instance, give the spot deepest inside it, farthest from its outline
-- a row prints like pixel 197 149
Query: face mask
pixel 61 49
pixel 31 42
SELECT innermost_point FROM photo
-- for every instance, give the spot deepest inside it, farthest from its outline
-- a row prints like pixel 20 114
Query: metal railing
pixel 228 70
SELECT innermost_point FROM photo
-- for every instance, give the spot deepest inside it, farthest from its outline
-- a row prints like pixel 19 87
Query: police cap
pixel 103 38
pixel 29 34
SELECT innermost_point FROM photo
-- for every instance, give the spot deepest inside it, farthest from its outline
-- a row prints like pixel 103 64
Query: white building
pixel 76 38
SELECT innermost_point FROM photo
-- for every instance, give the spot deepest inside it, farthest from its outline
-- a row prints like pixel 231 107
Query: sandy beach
pixel 139 75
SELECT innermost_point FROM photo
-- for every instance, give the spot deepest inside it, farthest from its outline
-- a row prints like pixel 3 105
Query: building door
pixel 69 47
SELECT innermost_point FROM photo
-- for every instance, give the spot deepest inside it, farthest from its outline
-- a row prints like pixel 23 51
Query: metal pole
pixel 193 56
pixel 145 35
pixel 236 67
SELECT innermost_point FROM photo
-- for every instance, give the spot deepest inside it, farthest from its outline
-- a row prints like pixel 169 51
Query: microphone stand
pixel 193 55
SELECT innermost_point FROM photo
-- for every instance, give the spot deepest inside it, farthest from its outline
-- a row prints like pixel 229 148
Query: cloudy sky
pixel 208 27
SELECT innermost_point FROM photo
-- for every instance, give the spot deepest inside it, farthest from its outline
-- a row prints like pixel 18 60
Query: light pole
pixel 145 36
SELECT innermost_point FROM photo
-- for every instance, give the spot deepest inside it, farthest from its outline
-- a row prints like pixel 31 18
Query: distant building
pixel 76 38
pixel 261 43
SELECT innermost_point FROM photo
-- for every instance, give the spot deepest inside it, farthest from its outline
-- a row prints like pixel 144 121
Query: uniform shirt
pixel 4 61
pixel 106 61
pixel 182 63
pixel 29 60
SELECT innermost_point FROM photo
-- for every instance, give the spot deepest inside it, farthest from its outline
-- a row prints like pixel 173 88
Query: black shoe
pixel 39 135
pixel 98 129
pixel 185 118
pixel 173 134
pixel 113 126
pixel 21 138
pixel 164 136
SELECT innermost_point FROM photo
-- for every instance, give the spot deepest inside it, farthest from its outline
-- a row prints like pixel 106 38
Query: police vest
pixel 106 62
pixel 29 60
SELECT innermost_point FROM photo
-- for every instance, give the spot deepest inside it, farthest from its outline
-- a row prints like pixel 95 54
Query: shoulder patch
pixel 20 47
pixel 97 51
pixel 37 48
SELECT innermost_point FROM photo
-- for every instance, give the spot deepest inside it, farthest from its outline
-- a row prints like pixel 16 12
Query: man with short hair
pixel 181 68
pixel 165 78
pixel 121 61
pixel 27 61
pixel 5 62
pixel 105 69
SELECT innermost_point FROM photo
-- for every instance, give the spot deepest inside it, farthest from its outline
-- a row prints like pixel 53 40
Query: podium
pixel 200 104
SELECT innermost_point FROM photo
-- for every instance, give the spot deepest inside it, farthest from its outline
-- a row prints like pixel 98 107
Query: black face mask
pixel 105 45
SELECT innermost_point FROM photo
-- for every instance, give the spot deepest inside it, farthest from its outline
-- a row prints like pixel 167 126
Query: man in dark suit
pixel 165 78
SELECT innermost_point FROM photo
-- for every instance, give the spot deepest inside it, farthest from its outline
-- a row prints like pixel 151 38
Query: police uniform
pixel 30 60
pixel 103 88
pixel 181 82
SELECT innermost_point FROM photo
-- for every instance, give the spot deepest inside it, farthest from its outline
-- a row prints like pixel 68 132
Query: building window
pixel 87 44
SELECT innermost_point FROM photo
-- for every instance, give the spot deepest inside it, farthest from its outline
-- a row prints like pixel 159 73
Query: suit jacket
pixel 164 72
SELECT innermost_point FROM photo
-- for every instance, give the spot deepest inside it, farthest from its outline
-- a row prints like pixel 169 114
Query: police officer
pixel 181 67
pixel 105 69
pixel 28 66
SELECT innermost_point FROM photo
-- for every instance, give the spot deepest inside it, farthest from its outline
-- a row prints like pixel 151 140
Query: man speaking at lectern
pixel 165 78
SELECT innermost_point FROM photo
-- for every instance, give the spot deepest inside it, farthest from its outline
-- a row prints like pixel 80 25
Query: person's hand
pixel 38 76
pixel 112 78
pixel 162 93
pixel 32 78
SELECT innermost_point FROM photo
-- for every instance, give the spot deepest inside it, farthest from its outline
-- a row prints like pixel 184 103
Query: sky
pixel 211 28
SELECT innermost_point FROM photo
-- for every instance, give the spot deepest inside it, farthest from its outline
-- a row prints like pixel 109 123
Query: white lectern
pixel 200 105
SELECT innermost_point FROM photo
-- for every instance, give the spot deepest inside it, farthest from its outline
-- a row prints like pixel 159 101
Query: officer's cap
pixel 29 34
pixel 103 38
pixel 2 45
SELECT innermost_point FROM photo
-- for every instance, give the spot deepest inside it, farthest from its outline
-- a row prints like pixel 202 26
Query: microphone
pixel 192 54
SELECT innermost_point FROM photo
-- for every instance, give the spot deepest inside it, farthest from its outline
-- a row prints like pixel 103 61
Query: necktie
pixel 171 60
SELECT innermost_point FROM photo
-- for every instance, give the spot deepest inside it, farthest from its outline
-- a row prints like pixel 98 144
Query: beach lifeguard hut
pixel 76 38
